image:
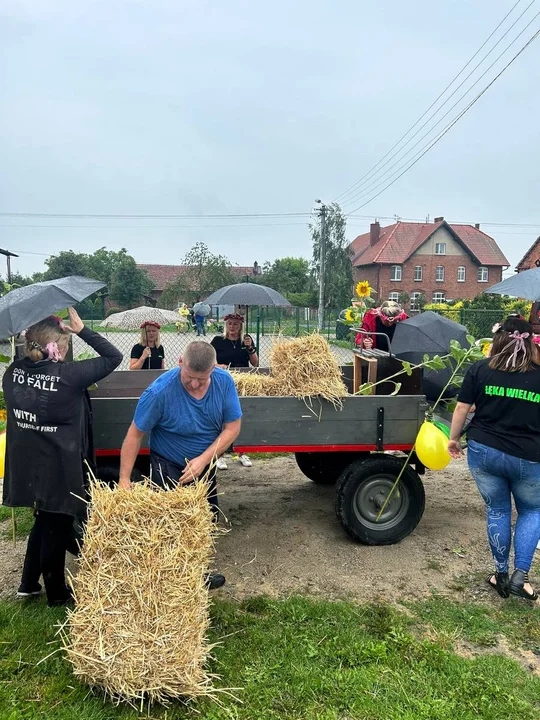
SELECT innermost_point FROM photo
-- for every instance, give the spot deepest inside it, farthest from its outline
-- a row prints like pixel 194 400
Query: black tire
pixel 361 492
pixel 324 468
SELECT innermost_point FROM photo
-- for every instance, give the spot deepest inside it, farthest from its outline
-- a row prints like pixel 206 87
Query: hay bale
pixel 306 367
pixel 254 383
pixel 139 627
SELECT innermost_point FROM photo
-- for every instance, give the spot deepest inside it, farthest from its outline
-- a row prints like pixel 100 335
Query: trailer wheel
pixel 324 468
pixel 361 492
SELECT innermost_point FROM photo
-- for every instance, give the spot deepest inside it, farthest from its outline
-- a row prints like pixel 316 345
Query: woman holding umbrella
pixel 49 437
pixel 235 351
pixel 148 353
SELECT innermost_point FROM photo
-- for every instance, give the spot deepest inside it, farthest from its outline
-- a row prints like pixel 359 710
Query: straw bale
pixel 253 383
pixel 305 367
pixel 139 627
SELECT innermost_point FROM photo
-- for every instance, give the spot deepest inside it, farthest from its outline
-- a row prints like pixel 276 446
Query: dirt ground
pixel 284 538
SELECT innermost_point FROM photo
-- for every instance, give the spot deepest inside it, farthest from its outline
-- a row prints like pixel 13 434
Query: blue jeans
pixel 499 477
pixel 201 324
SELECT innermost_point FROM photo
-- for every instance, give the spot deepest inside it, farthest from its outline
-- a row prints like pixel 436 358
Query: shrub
pixel 111 311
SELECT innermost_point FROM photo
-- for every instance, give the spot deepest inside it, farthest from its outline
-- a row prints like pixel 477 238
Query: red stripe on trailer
pixel 315 448
pixel 115 453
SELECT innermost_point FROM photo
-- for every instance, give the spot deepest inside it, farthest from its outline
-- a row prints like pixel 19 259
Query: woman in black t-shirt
pixel 504 449
pixel 233 351
pixel 148 353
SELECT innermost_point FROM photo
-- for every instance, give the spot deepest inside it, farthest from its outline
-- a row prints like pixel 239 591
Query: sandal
pixel 519 579
pixel 501 584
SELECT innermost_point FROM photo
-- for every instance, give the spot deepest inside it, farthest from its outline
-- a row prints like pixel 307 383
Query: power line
pixel 378 181
pixel 84 216
pixel 138 227
pixel 370 172
pixel 451 124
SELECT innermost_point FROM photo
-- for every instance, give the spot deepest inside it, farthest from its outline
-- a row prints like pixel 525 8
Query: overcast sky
pixel 169 107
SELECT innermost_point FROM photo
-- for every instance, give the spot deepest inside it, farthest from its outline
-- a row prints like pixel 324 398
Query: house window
pixel 417 273
pixel 415 296
pixel 461 274
pixel 438 297
pixel 394 296
pixel 440 248
pixel 439 273
pixel 395 273
pixel 483 274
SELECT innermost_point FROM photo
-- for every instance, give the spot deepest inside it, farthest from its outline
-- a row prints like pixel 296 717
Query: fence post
pixel 258 330
pixel 297 322
pixel 279 319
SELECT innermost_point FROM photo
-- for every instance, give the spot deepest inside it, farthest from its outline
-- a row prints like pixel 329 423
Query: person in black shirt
pixel 49 436
pixel 148 353
pixel 233 351
pixel 504 448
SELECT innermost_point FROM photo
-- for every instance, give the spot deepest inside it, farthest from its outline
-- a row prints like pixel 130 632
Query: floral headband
pixel 150 323
pixel 234 316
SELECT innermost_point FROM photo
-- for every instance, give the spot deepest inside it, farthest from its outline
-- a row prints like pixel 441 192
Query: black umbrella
pixel 429 334
pixel 25 306
pixel 247 294
pixel 525 285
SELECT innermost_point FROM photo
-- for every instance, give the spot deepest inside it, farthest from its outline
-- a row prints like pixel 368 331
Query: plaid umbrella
pixel 132 319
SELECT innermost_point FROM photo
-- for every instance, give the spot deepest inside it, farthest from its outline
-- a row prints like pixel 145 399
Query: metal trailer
pixel 350 447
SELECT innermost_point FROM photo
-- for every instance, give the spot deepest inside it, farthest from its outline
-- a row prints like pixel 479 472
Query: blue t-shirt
pixel 180 426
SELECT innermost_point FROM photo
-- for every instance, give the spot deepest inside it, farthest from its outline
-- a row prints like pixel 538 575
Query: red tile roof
pixel 531 256
pixel 163 274
pixel 399 241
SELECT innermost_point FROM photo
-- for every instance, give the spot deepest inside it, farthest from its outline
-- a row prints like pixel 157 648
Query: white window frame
pixel 418 273
pixel 462 279
pixel 436 299
pixel 395 273
pixel 437 278
pixel 483 276
pixel 414 295
pixel 393 296
pixel 440 245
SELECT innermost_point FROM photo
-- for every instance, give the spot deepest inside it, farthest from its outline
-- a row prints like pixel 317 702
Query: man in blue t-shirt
pixel 193 415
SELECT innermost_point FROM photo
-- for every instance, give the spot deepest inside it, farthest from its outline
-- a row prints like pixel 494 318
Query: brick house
pixel 441 260
pixel 163 274
pixel 531 258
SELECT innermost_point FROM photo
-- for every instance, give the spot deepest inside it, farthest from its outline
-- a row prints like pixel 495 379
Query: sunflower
pixel 349 315
pixel 363 289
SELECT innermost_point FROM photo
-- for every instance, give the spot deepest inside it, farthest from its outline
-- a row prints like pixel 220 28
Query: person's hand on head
pixel 75 322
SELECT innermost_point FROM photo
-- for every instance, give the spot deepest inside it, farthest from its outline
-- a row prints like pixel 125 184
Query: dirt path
pixel 285 538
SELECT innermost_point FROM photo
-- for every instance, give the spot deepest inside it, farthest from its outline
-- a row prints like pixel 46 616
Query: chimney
pixel 374 233
pixel 439 219
pixel 477 226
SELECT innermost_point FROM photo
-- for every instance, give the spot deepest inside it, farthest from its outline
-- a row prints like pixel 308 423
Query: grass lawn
pixel 300 658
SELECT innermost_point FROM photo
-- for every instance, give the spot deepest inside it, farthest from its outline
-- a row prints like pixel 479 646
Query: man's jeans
pixel 498 477
pixel 201 324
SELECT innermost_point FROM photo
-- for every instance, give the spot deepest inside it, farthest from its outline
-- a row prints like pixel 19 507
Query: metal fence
pixel 266 325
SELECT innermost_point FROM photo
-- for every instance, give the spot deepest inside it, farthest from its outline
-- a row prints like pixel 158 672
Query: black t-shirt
pixel 507 415
pixel 387 330
pixel 156 358
pixel 230 352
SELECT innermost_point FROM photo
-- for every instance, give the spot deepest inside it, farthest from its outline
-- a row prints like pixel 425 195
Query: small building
pixel 163 274
pixel 441 260
pixel 531 258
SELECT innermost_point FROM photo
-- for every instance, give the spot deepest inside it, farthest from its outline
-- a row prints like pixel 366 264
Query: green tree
pixel 338 286
pixel 203 273
pixel 287 275
pixel 67 262
pixel 128 284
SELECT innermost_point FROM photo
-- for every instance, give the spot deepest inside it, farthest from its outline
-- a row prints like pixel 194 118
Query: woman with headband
pixel 235 351
pixel 381 322
pixel 148 353
pixel 504 449
pixel 49 438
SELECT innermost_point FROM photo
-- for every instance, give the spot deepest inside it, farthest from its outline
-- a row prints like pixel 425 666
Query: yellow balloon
pixel 432 447
pixel 2 452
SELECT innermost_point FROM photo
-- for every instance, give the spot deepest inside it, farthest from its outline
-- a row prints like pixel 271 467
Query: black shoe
pixel 67 599
pixel 518 580
pixel 215 581
pixel 501 584
pixel 26 591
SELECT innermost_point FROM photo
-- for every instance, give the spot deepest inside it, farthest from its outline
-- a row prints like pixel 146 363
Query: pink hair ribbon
pixel 518 340
pixel 52 350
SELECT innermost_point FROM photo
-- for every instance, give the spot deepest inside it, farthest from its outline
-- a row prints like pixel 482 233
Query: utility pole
pixel 8 255
pixel 322 252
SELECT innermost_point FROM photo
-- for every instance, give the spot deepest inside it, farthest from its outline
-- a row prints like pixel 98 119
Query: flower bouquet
pixel 354 314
